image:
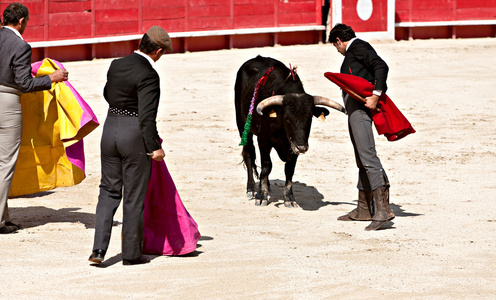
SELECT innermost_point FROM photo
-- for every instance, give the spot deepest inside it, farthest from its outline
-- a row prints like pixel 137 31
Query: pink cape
pixel 168 228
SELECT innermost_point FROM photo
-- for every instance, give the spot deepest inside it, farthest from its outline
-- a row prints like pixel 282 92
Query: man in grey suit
pixel 360 59
pixel 15 79
pixel 129 140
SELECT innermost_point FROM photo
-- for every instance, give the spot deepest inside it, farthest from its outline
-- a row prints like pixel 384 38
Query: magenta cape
pixel 168 228
pixel 389 121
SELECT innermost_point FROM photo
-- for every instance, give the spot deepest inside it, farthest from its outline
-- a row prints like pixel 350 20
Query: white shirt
pixel 349 43
pixel 15 31
pixel 150 60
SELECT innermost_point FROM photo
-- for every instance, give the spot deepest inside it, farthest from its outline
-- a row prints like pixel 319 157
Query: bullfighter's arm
pixel 148 99
pixel 374 62
pixel 21 65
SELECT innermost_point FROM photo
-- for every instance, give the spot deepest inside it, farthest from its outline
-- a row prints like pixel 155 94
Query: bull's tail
pixel 255 171
pixel 253 168
pixel 250 156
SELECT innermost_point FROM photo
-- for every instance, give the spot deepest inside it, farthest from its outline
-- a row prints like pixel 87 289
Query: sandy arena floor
pixel 441 245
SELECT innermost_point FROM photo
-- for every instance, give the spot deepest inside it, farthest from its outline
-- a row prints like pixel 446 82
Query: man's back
pixel 126 78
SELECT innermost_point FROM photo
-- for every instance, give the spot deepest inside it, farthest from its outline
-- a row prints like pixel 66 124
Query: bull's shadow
pixel 307 197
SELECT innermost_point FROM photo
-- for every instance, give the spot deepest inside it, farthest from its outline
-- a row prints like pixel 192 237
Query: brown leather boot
pixel 362 211
pixel 383 213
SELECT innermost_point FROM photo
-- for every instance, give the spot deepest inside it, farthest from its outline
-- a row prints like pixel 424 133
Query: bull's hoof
pixel 250 195
pixel 290 204
pixel 259 202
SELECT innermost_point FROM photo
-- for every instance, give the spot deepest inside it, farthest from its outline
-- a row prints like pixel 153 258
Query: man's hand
pixel 371 102
pixel 158 155
pixel 59 75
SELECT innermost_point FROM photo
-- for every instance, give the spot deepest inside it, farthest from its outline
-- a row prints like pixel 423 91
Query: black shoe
pixel 97 256
pixel 137 261
pixel 12 224
pixel 8 229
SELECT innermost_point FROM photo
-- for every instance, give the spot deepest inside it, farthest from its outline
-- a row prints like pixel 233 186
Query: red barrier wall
pixel 52 20
pixel 447 11
pixel 444 10
pixel 376 22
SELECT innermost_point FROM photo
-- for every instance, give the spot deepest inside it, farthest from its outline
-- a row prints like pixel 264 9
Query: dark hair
pixel 147 45
pixel 341 31
pixel 13 13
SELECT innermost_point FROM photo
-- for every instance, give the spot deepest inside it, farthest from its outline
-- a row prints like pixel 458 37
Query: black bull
pixel 283 121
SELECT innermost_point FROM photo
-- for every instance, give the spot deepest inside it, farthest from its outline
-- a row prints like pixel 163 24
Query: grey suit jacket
pixel 15 64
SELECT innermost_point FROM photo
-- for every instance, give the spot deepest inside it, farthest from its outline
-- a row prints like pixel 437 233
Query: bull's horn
pixel 319 100
pixel 274 100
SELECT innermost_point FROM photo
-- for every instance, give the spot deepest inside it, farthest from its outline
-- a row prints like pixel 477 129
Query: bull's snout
pixel 299 149
pixel 302 149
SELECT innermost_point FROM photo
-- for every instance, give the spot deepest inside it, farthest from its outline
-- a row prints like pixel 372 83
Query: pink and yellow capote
pixel 54 123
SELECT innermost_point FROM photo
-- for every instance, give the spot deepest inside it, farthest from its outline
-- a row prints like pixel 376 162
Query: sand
pixel 440 245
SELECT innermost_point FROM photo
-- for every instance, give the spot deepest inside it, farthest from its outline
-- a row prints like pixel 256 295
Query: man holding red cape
pixel 360 59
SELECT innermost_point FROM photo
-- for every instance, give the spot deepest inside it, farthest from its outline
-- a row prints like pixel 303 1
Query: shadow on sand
pixel 307 197
pixel 33 216
pixel 118 257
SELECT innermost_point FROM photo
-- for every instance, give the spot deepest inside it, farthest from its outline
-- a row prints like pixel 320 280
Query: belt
pixel 122 112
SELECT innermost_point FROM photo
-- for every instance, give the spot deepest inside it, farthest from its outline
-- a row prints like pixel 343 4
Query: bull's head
pixel 297 112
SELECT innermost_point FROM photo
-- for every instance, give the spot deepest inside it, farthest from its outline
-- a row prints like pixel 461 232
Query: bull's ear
pixel 320 111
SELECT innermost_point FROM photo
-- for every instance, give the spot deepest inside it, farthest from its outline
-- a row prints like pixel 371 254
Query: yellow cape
pixel 54 123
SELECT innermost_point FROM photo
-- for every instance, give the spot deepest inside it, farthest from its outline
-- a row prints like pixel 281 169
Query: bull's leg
pixel 263 193
pixel 289 168
pixel 249 157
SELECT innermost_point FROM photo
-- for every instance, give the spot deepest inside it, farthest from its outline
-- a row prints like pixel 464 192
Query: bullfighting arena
pixel 441 245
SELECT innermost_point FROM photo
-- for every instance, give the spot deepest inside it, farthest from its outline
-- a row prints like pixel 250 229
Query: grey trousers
pixel 125 174
pixel 371 174
pixel 10 142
